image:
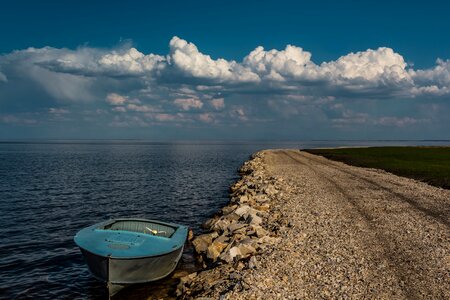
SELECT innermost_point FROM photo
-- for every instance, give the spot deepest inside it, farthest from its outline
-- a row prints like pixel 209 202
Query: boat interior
pixel 147 227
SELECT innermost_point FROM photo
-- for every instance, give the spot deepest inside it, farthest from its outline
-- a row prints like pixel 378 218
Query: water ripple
pixel 50 191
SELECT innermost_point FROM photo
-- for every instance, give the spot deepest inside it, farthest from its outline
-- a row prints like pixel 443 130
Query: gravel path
pixel 352 233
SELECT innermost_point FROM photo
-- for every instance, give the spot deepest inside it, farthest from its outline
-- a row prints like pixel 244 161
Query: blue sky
pixel 223 69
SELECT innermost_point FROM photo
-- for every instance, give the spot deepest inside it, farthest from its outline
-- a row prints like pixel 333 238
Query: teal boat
pixel 122 252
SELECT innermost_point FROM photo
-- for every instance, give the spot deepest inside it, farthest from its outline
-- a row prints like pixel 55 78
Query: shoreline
pixel 301 226
pixel 237 235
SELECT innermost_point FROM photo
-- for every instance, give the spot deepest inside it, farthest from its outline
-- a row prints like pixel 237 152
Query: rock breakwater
pixel 237 235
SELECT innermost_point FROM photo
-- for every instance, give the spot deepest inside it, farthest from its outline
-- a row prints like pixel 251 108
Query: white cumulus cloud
pixel 277 65
pixel 186 85
pixel 186 57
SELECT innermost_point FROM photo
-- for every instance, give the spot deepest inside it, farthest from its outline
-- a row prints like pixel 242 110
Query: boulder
pixel 236 226
pixel 246 250
pixel 220 225
pixel 244 210
pixel 259 231
pixel 231 217
pixel 244 199
pixel 223 239
pixel 202 242
pixel 228 209
pixel 215 249
pixel 238 252
pixel 209 223
pixel 254 219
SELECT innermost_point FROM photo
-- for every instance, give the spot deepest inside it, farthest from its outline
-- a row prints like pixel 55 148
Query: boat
pixel 123 252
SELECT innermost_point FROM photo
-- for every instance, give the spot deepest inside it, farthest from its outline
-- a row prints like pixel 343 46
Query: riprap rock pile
pixel 242 230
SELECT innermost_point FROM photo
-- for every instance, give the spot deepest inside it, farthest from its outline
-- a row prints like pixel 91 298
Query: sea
pixel 50 189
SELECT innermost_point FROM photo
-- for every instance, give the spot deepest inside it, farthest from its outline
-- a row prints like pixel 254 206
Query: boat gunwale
pixel 112 221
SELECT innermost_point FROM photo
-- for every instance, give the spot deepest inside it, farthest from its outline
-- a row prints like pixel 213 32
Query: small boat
pixel 122 252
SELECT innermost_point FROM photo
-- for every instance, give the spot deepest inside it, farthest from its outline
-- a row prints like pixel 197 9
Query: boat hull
pixel 125 271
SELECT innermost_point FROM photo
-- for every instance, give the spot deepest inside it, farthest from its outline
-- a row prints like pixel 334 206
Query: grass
pixel 428 164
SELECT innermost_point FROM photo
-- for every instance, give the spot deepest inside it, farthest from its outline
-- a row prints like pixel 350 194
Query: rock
pixel 246 250
pixel 180 274
pixel 241 251
pixel 260 232
pixel 268 240
pixel 263 207
pixel 250 232
pixel 236 226
pixel 253 263
pixel 228 209
pixel 215 249
pixel 184 281
pixel 269 190
pixel 242 210
pixel 235 276
pixel 202 242
pixel 209 223
pixel 244 199
pixel 220 225
pixel 261 198
pixel 223 239
pixel 189 277
pixel 227 255
pixel 234 251
pixel 232 217
pixel 239 266
pixel 190 235
pixel 253 219
pixel 248 241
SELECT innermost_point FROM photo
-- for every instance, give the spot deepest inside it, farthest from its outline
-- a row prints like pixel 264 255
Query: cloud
pixel 186 58
pixel 382 64
pixel 187 104
pixel 206 117
pixel 119 109
pixel 187 86
pixel 381 72
pixel 276 65
pixel 15 120
pixel 116 99
pixel 398 121
pixel 3 77
pixel 58 111
pixel 218 103
pixel 86 61
pixel 140 108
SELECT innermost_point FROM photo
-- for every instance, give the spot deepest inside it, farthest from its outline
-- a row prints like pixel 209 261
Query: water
pixel 50 190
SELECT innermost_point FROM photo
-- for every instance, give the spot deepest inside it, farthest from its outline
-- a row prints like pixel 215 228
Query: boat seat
pixel 142 227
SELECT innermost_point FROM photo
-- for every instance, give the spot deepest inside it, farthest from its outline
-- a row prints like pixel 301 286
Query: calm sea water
pixel 50 190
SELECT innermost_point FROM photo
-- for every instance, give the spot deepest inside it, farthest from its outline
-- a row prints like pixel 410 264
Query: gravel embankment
pixel 301 226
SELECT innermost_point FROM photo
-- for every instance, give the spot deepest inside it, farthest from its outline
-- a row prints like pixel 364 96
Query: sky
pixel 171 70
